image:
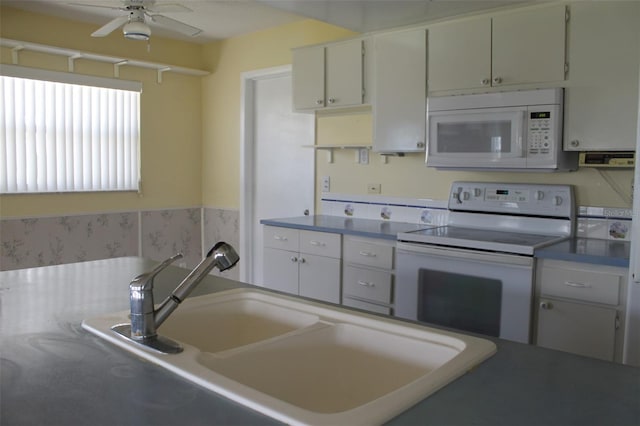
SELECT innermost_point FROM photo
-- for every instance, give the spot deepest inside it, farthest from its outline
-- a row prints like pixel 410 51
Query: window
pixel 63 132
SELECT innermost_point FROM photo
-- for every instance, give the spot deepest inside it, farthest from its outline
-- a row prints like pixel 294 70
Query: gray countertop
pixel 584 250
pixel 589 250
pixel 345 225
pixel 55 373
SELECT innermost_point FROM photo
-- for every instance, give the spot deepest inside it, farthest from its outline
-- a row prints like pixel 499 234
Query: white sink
pixel 303 362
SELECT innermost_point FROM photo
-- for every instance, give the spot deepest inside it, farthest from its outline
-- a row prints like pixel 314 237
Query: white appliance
pixel 631 352
pixel 477 272
pixel 515 131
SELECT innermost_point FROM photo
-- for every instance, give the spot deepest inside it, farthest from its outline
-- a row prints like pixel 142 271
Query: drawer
pixel 367 284
pixel 365 306
pixel 281 238
pixel 589 286
pixel 368 253
pixel 321 243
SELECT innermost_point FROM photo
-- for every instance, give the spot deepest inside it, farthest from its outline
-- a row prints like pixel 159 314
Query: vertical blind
pixel 61 137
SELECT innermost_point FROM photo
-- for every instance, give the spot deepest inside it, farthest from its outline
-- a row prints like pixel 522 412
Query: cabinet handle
pixel 367 254
pixel 485 81
pixel 294 259
pixel 319 102
pixel 574 143
pixel 546 305
pixel 332 100
pixel 301 260
pixel 317 243
pixel 497 80
pixel 576 285
pixel 366 284
pixel 279 238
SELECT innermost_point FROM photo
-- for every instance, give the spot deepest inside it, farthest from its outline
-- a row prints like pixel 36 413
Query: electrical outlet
pixel 373 188
pixel 326 183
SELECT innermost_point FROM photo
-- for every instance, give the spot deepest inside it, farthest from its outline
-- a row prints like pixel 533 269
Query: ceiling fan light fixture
pixel 136 31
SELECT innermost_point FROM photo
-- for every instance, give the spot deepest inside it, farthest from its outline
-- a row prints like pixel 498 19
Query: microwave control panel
pixel 543 136
pixel 513 198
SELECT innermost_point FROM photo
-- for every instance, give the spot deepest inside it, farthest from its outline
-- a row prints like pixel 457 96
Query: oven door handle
pixel 466 254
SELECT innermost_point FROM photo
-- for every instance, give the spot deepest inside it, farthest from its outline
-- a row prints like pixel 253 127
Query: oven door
pixel 486 293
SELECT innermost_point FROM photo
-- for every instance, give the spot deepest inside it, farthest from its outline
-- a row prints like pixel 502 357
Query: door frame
pixel 247 160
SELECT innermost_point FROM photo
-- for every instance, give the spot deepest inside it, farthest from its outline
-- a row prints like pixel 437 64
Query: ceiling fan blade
pixel 95 5
pixel 168 8
pixel 174 25
pixel 106 29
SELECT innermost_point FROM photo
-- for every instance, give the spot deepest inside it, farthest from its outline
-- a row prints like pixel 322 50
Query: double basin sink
pixel 303 362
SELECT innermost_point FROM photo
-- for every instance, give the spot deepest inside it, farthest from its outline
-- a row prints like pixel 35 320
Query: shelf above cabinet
pixel 362 151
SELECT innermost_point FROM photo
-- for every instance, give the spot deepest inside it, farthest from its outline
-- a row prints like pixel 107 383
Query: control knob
pixel 557 200
pixel 539 195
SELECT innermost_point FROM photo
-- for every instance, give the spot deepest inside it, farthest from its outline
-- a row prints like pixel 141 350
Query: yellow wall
pixel 409 177
pixel 191 126
pixel 171 124
pixel 221 97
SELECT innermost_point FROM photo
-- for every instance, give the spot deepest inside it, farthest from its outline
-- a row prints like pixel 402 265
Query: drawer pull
pixel 317 243
pixel 366 284
pixel 279 238
pixel 367 254
pixel 576 285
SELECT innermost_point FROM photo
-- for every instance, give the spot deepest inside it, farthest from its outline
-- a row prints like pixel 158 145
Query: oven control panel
pixel 513 198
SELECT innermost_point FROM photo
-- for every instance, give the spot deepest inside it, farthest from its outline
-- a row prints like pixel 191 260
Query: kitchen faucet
pixel 145 319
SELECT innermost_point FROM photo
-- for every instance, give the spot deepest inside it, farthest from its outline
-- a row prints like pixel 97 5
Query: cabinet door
pixel 601 100
pixel 280 270
pixel 399 107
pixel 320 277
pixel 460 55
pixel 529 46
pixel 308 78
pixel 577 328
pixel 344 79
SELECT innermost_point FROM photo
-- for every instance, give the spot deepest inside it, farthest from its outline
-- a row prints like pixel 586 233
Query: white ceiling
pixel 221 19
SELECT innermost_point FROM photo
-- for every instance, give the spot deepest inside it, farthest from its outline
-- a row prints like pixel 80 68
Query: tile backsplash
pixel 591 222
pixel 158 234
pixel 154 234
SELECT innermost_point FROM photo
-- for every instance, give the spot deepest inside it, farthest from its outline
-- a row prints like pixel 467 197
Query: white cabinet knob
pixel 294 259
pixel 546 305
pixel 485 81
pixel 332 100
pixel 319 102
pixel 497 80
pixel 575 143
pixel 301 260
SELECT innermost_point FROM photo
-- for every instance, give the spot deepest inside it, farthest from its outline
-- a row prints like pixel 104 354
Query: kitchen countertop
pixel 56 373
pixel 588 250
pixel 371 228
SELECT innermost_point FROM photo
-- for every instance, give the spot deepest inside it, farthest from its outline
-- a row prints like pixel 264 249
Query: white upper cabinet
pixel 399 86
pixel 460 55
pixel 517 48
pixel 529 46
pixel 601 99
pixel 328 76
pixel 308 78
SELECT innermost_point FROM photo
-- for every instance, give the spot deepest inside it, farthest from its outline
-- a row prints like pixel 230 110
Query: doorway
pixel 277 171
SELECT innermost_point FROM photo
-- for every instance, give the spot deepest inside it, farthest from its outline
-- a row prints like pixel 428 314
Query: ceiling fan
pixel 138 13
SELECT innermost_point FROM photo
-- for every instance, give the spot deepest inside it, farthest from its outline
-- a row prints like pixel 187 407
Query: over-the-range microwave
pixel 515 131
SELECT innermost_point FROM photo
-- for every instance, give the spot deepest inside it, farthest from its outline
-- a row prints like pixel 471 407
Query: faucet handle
pixel 145 281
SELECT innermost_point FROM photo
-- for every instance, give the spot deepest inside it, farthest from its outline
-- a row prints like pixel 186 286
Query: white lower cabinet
pixel 581 308
pixel 305 263
pixel 367 275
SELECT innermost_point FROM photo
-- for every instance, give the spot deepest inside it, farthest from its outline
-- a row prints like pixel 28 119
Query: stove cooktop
pixel 481 239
